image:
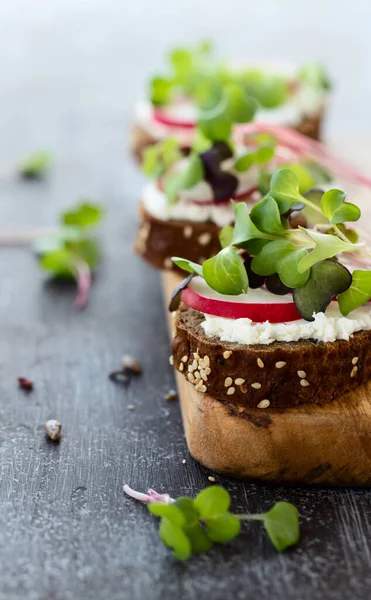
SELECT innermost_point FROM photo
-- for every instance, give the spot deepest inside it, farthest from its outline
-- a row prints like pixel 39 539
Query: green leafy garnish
pixel 226 272
pixel 158 158
pixel 315 76
pixel 335 208
pixel 36 165
pixel 191 526
pixel 187 265
pixel 292 259
pixel 184 180
pixel 282 525
pixel 73 251
pixel 358 293
pixel 328 278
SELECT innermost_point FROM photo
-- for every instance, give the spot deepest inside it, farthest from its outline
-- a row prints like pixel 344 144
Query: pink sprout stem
pixel 305 146
pixel 83 284
pixel 150 496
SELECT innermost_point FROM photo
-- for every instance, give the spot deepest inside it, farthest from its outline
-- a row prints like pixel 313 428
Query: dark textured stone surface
pixel 66 530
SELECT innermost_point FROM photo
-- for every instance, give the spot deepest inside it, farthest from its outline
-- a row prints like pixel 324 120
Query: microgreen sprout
pixel 192 526
pixel 35 166
pixel 306 261
pixel 73 251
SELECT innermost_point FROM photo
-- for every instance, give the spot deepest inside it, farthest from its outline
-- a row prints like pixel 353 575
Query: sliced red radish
pixel 258 305
pixel 170 121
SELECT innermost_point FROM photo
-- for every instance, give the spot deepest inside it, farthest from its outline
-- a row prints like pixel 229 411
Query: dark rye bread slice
pixel 281 374
pixel 157 241
pixel 140 138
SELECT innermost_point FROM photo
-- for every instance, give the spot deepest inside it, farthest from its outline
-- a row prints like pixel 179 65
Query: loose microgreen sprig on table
pixel 192 526
pixel 72 251
pixel 36 165
pixel 305 261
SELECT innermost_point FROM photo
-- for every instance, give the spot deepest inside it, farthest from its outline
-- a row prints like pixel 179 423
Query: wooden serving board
pixel 328 444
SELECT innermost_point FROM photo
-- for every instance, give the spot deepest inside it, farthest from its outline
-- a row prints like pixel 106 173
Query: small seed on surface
pixel 354 371
pixel 171 359
pixel 195 364
pixel 184 358
pixel 181 367
pixel 354 360
pixel 263 404
pixel 197 375
pixel 203 375
pixel 256 385
pixel 53 430
pixel 228 382
pixel 231 391
pixel 227 353
pixel 171 395
pixel 131 365
pixel 301 374
pixel 190 377
pixel 187 231
pixel 280 364
pixel 196 356
pixel 206 361
pixel 131 407
pixel 203 389
pixel 304 382
pixel 211 478
pixel 243 389
pixel 239 381
pixel 184 461
pixel 204 239
pixel 168 263
pixel 190 368
pixel 207 370
pixel 260 363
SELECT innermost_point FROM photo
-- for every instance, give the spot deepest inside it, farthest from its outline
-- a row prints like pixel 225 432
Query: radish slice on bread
pixel 258 305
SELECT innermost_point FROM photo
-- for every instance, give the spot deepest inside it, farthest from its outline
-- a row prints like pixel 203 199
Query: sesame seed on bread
pixel 278 375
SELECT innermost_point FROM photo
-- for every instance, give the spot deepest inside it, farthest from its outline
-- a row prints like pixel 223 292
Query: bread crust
pixel 281 374
pixel 157 240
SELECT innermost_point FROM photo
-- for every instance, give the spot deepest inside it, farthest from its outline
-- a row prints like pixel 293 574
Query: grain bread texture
pixel 281 374
pixel 157 240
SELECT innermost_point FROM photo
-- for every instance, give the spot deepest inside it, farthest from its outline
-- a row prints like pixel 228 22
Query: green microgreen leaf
pixel 326 246
pixel 212 501
pixel 266 262
pixel 84 215
pixel 158 158
pixel 287 269
pixel 160 90
pixel 187 265
pixel 226 236
pixel 284 187
pixel 305 178
pixel 357 294
pixel 58 262
pixel 265 214
pixel 174 537
pixel 327 279
pixel 312 211
pixel 314 75
pixel 199 539
pixel 235 107
pixel 188 508
pixel 36 165
pixel 226 273
pixel 270 90
pixel 244 228
pixel 282 525
pixel 244 162
pixel 335 208
pixel 171 512
pixel 223 528
pixel 186 179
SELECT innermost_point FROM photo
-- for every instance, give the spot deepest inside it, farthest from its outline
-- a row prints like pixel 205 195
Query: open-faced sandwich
pixel 187 203
pixel 280 316
pixel 195 81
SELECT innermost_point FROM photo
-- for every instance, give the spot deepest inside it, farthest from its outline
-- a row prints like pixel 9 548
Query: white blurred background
pixel 96 54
